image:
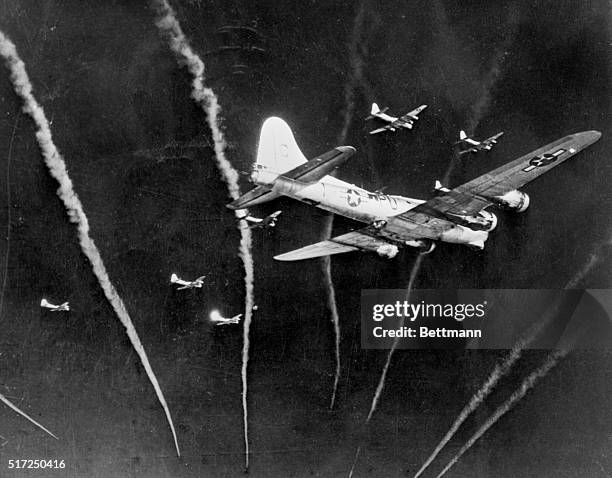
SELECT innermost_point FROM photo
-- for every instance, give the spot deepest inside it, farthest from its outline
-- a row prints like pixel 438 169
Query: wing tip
pixel 286 257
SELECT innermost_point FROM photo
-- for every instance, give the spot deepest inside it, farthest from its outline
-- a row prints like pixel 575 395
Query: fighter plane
pixel 55 308
pixel 406 121
pixel 194 284
pixel 475 145
pixel 218 319
pixel 458 215
pixel 268 221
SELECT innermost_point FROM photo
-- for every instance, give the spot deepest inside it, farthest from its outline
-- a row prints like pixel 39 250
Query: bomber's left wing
pixel 475 195
pixel 365 239
pixel 384 128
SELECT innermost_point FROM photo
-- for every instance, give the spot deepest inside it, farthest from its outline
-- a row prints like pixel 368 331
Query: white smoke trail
pixel 483 102
pixel 206 98
pixel 381 383
pixel 331 303
pixel 502 369
pixel 74 208
pixel 350 475
pixel 481 107
pixel 349 101
pixel 8 403
pixel 527 385
pixel 9 208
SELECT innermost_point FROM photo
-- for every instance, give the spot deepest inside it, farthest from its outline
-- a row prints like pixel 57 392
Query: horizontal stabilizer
pixel 257 195
pixel 364 239
pixel 319 167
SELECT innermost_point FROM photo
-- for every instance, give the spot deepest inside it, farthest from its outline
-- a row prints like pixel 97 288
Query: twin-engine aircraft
pixel 187 284
pixel 406 121
pixel 268 221
pixel 65 307
pixel 475 145
pixel 456 215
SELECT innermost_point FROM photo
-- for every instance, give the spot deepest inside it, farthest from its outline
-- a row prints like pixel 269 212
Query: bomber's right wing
pixel 365 239
pixel 493 139
pixel 413 114
pixel 477 194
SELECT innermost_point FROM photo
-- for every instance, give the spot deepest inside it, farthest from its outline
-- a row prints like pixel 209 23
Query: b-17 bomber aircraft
pixel 268 221
pixel 406 121
pixel 457 215
pixel 186 284
pixel 475 145
pixel 218 319
pixel 65 307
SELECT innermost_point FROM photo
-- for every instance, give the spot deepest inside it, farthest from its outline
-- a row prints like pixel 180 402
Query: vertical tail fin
pixel 278 151
pixel 173 279
pixel 375 109
pixel 462 135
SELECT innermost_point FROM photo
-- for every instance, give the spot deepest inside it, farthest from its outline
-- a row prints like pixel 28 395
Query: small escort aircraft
pixel 65 307
pixel 455 215
pixel 475 145
pixel 406 121
pixel 218 319
pixel 268 221
pixel 194 284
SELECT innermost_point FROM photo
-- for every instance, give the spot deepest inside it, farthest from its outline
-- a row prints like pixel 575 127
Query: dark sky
pixel 140 155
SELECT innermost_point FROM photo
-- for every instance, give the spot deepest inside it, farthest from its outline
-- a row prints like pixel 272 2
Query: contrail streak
pixel 349 100
pixel 481 107
pixel 207 100
pixel 331 303
pixel 8 215
pixel 74 208
pixel 381 384
pixel 502 369
pixel 527 385
pixel 8 403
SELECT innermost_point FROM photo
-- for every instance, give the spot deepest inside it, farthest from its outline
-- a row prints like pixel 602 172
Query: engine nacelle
pixel 464 235
pixel 484 220
pixel 425 245
pixel 515 200
pixel 490 219
pixel 388 251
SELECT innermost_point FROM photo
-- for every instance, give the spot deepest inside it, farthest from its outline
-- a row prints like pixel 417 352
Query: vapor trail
pixel 8 403
pixel 8 215
pixel 207 100
pixel 483 102
pixel 527 385
pixel 350 475
pixel 381 384
pixel 481 107
pixel 349 100
pixel 74 208
pixel 502 369
pixel 333 309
